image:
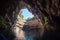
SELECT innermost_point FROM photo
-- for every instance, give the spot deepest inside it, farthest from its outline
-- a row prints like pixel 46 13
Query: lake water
pixel 31 34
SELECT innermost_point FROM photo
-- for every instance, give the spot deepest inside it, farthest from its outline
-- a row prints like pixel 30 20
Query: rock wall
pixel 42 8
pixel 9 10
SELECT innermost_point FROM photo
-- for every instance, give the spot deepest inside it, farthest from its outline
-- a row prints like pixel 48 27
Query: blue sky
pixel 26 13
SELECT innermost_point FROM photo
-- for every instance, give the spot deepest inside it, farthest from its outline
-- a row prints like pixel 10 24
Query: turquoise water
pixel 30 37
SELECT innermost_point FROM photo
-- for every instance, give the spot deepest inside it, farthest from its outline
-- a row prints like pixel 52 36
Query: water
pixel 29 36
pixel 33 34
pixel 26 35
pixel 3 37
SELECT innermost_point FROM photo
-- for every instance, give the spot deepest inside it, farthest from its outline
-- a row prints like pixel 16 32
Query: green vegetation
pixel 3 22
pixel 46 20
pixel 28 19
pixel 21 15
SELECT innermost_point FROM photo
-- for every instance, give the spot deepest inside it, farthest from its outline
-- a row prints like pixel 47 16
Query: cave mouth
pixel 27 21
pixel 26 14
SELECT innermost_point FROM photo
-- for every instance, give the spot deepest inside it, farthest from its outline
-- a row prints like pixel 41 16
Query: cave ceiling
pixel 42 8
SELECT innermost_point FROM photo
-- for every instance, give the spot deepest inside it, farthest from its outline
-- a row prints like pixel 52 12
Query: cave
pixel 44 9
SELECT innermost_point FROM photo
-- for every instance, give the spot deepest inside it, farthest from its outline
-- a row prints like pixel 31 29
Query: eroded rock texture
pixel 9 9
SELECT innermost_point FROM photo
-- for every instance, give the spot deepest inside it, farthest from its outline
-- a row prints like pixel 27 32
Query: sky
pixel 26 13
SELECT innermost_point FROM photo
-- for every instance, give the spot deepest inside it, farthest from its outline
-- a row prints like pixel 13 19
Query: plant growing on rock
pixel 3 22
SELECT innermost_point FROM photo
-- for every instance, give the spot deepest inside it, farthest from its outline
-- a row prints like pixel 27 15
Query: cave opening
pixel 27 21
pixel 31 24
pixel 26 14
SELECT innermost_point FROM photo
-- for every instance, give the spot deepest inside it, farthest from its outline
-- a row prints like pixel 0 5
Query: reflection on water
pixel 29 36
pixel 32 34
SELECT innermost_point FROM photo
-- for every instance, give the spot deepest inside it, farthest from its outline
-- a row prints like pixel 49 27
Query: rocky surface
pixel 9 10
